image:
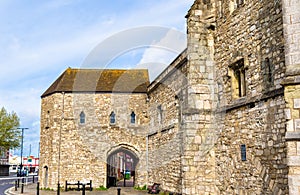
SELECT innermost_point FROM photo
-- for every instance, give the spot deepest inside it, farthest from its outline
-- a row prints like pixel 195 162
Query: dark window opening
pixel 132 117
pixel 243 152
pixel 160 112
pixel 112 118
pixel 269 71
pixel 82 118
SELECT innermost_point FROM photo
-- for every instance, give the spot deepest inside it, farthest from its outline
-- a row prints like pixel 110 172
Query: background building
pixel 4 162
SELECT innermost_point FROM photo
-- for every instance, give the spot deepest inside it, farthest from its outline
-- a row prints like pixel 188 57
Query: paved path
pixel 31 190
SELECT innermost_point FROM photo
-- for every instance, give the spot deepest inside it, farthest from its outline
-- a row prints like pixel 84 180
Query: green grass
pixel 140 188
pixel 101 188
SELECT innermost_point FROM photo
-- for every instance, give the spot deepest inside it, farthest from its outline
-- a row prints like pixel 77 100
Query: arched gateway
pixel 121 167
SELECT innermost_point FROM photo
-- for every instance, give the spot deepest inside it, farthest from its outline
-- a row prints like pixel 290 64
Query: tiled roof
pixel 100 80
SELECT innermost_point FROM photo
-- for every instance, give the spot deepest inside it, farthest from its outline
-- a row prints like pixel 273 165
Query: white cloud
pixel 161 53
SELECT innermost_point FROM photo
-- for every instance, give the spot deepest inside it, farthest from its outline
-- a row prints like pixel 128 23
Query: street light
pixel 22 128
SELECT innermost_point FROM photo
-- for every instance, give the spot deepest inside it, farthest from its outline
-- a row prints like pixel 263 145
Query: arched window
pixel 82 118
pixel 112 118
pixel 132 118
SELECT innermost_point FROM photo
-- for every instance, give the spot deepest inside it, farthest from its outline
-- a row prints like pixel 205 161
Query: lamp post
pixel 22 128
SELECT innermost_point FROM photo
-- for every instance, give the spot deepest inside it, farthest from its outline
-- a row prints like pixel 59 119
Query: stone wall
pixel 165 136
pixel 260 127
pixel 84 148
pixel 251 32
pixel 292 97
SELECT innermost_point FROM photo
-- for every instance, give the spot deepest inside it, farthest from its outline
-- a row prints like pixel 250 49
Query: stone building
pixel 87 117
pixel 222 118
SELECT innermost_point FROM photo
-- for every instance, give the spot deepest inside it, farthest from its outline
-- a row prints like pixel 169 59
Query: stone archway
pixel 121 167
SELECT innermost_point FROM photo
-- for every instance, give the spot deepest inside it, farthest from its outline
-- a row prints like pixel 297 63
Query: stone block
pixel 297 124
pixel 292 136
pixel 287 113
pixel 198 139
pixel 293 161
pixel 296 57
pixel 290 125
pixel 296 103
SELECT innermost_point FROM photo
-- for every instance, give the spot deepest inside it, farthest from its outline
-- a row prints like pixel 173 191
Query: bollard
pixel 58 189
pixel 83 189
pixel 16 185
pixel 38 188
pixel 119 191
pixel 22 188
pixel 78 186
pixel 33 179
pixel 66 186
pixel 91 188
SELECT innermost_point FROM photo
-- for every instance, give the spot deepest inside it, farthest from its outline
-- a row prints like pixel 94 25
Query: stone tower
pixel 87 117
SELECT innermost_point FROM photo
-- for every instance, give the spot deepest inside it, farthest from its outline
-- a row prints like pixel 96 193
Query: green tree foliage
pixel 10 136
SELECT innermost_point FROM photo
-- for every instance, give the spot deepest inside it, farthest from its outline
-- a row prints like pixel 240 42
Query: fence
pixel 78 184
pixel 24 181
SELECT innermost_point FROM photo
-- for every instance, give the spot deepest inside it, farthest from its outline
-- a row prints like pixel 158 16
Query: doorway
pixel 121 165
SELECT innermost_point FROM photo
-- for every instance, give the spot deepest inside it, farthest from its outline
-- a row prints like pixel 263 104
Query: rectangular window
pixel 159 114
pixel 267 69
pixel 243 152
pixel 238 79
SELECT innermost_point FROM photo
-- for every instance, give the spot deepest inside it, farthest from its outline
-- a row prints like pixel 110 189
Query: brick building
pixel 222 118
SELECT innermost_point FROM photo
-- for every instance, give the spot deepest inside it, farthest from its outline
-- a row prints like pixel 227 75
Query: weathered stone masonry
pixel 222 118
pixel 165 133
pixel 222 111
pixel 253 33
pixel 84 148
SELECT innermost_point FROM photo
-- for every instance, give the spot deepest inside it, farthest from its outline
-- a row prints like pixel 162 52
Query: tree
pixel 10 136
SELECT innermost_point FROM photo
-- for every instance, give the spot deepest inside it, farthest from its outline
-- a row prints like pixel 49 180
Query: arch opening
pixel 121 168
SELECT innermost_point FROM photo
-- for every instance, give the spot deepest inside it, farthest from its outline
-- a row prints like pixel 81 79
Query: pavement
pixel 30 189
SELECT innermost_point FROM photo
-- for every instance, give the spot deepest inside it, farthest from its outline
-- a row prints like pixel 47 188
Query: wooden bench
pixel 154 189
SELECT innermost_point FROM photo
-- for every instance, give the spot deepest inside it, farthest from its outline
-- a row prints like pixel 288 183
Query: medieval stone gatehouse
pixel 222 118
pixel 87 117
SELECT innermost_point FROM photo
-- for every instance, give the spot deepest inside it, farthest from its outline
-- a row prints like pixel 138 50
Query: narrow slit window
pixel 48 119
pixel 112 118
pixel 268 71
pixel 82 118
pixel 159 114
pixel 132 118
pixel 243 152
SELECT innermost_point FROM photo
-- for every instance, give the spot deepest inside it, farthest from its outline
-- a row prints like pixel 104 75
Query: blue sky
pixel 40 39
